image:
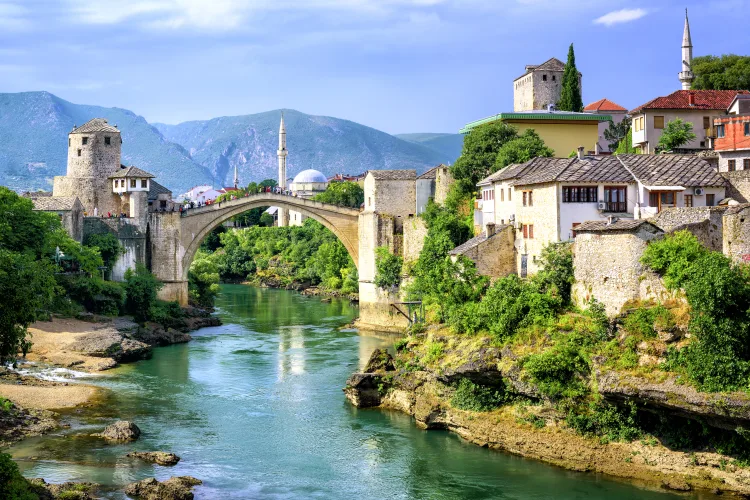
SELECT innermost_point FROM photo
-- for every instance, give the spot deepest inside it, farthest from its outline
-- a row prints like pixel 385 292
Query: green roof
pixel 537 115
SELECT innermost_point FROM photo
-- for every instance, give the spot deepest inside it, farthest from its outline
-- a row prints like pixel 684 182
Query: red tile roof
pixel 703 99
pixel 604 105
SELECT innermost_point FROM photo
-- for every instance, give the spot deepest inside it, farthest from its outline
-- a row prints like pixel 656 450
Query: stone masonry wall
pixel 415 232
pixel 496 256
pixel 394 197
pixel 737 234
pixel 132 240
pixel 739 185
pixel 692 219
pixel 443 182
pixel 607 267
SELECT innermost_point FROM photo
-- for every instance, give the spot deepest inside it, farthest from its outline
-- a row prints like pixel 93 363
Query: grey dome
pixel 310 175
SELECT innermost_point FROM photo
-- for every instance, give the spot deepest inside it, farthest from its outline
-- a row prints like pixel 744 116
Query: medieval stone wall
pixel 415 232
pixel 133 242
pixel 706 223
pixel 495 257
pixel 443 182
pixel 737 234
pixel 738 187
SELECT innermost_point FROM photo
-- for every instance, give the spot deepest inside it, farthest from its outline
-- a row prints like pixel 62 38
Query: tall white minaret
pixel 686 75
pixel 282 154
pixel 236 179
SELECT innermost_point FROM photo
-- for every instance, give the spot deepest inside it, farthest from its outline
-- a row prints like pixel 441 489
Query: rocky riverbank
pixel 305 288
pixel 424 381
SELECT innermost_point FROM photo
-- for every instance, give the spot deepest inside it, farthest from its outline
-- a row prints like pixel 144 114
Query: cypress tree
pixel 570 96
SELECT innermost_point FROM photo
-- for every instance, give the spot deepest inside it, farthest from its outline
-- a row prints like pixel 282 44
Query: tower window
pixel 132 183
pixel 68 141
pixel 107 141
pixel 554 78
pixel 144 183
pixel 85 140
pixel 544 78
pixel 79 152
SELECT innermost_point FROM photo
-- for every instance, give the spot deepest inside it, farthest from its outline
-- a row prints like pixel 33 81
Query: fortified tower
pixel 94 153
pixel 686 75
pixel 282 154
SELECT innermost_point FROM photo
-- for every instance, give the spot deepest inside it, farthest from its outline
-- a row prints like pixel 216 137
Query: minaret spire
pixel 686 75
pixel 236 179
pixel 282 153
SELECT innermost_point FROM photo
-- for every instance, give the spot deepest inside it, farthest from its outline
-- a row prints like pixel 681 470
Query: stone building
pixel 607 263
pixel 391 191
pixel 68 208
pixel 540 86
pixel 493 251
pixel 94 154
pixel 433 184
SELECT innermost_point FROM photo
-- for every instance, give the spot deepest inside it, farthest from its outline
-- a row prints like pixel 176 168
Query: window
pixel 528 231
pixel 703 144
pixel 642 119
pixel 502 195
pixel 720 131
pixel 163 204
pixel 144 183
pixel 616 198
pixel 747 128
pixel 706 123
pixel 661 199
pixel 732 165
pixel 369 201
pixel 68 141
pixel 132 183
pixel 85 140
pixel 509 191
pixel 79 152
pixel 746 164
pixel 107 141
pixel 658 122
pixel 710 200
pixel 554 78
pixel 528 200
pixel 580 194
pixel 688 200
pixel 544 78
pixel 635 125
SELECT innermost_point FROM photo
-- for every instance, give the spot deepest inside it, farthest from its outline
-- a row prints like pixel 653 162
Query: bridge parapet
pixel 272 199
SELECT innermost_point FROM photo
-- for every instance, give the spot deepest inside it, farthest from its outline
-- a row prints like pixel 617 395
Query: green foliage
pixel 608 422
pixel 522 149
pixel 434 351
pixel 13 486
pixel 616 133
pixel 561 370
pixel 108 245
pixel 727 72
pixel 21 228
pixel 676 133
pixel 203 281
pixel 266 220
pixel 626 145
pixel 673 257
pixel 387 268
pixel 213 240
pixel 165 313
pixel 345 194
pixel 570 94
pixel 474 397
pixel 556 275
pixel 479 154
pixel 140 287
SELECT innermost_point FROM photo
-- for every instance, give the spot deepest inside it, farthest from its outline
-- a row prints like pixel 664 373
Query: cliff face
pixel 532 425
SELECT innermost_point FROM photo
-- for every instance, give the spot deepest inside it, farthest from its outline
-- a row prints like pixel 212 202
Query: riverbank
pixel 428 377
pixel 303 288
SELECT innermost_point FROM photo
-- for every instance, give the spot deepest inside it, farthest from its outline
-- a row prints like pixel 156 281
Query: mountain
pixel 449 145
pixel 330 145
pixel 34 129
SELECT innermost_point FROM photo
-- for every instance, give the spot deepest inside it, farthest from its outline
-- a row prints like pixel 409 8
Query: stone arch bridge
pixel 174 237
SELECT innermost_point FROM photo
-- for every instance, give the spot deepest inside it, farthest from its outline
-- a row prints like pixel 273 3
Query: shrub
pixel 473 397
pixel 387 268
pixel 203 281
pixel 433 351
pixel 166 313
pixel 673 257
pixel 561 370
pixel 13 486
pixel 140 288
pixel 556 276
pixel 608 422
pixel 108 245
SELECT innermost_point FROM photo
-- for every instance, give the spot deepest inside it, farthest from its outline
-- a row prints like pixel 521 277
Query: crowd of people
pixel 188 205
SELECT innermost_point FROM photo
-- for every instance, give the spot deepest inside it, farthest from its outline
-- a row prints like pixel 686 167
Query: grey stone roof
pixel 95 125
pixel 37 194
pixel 54 203
pixel 155 189
pixel 598 226
pixel 650 170
pixel 431 173
pixel 394 175
pixel 130 172
pixel 553 64
pixel 477 240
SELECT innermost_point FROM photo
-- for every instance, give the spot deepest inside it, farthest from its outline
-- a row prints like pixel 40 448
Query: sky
pixel 396 65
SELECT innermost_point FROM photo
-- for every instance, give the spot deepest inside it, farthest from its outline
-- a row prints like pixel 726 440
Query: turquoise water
pixel 255 410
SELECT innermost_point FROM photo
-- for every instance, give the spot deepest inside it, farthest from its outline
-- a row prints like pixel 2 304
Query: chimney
pixel 580 152
pixel 597 149
pixel 691 99
pixel 490 229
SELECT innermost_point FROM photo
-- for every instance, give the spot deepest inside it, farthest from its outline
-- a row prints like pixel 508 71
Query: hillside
pixel 33 142
pixel 331 145
pixel 448 145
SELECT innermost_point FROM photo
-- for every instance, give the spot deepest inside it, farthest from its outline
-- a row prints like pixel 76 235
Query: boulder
pixel 380 361
pixel 156 457
pixel 120 431
pixel 68 491
pixel 174 488
pixel 110 344
pixel 363 390
pixel 155 334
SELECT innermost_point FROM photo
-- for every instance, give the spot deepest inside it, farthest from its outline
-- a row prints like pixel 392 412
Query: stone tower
pixel 282 154
pixel 686 75
pixel 94 154
pixel 540 86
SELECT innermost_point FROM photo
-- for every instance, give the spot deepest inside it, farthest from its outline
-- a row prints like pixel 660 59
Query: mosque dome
pixel 310 176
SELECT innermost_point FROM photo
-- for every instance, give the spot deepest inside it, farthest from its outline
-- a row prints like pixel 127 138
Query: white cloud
pixel 620 16
pixel 13 17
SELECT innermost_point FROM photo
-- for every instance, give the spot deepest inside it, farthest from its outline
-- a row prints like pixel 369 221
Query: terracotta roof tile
pixel 604 105
pixel 704 99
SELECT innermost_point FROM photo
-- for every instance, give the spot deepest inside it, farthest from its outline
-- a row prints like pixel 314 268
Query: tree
pixel 266 220
pixel 345 194
pixel 522 149
pixel 479 154
pixel 203 281
pixel 728 72
pixel 140 287
pixel 570 95
pixel 387 268
pixel 27 286
pixel 108 245
pixel 616 132
pixel 626 145
pixel 675 134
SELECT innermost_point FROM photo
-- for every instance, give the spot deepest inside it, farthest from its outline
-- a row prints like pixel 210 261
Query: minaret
pixel 282 154
pixel 236 179
pixel 686 75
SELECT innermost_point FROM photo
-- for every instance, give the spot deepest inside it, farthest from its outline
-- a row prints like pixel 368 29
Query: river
pixel 255 410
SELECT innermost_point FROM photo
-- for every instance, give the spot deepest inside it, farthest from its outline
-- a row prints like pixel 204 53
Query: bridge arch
pixel 197 223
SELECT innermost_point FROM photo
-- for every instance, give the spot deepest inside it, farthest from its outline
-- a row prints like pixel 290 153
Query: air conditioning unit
pixel 512 218
pixel 698 191
pixel 602 205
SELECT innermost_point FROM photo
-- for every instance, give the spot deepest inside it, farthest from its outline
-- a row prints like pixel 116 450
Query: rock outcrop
pixel 67 491
pixel 156 457
pixel 121 431
pixel 174 488
pixel 110 343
